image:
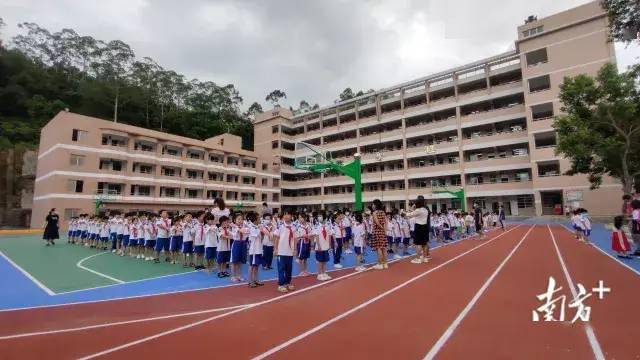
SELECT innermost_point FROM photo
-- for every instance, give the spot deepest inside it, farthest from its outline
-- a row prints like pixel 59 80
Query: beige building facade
pixel 485 127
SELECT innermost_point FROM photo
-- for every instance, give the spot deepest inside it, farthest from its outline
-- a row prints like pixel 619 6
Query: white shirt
pixel 323 240
pixel 163 226
pixel 186 232
pixel 358 235
pixel 217 213
pixel 420 215
pixel 211 236
pixel 286 240
pixel 255 240
pixel 198 232
pixel 266 239
pixel 224 239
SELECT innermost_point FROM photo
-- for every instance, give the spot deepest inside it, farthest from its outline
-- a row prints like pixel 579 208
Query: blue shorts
pixel 390 240
pixel 255 259
pixel 304 250
pixel 397 240
pixel 133 242
pixel 104 239
pixel 175 243
pixel 70 233
pixel 223 256
pixel 406 241
pixel 587 232
pixel 112 236
pixel 358 249
pixel 210 253
pixel 125 240
pixel 83 234
pixel 187 247
pixel 322 256
pixel 412 234
pixel 119 237
pixel 198 249
pixel 348 233
pixel 239 252
pixel 162 244
pixel 150 243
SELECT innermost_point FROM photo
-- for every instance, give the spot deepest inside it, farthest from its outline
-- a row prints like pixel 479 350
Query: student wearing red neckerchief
pixel 163 226
pixel 339 233
pixel 255 249
pixel 284 249
pixel 322 234
pixel 303 252
pixel 224 246
pixel 198 240
pixel 239 233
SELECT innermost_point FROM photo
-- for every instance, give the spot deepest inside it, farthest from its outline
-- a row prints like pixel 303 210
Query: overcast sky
pixel 310 49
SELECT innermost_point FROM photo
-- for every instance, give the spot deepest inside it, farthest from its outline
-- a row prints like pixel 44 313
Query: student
pixel 175 238
pixel 125 234
pixel 133 236
pixel 239 235
pixel 477 218
pixel 468 222
pixel 163 226
pixel 119 233
pixel 141 237
pixel 322 234
pixel 347 223
pixel 255 249
pixel 339 235
pixel 210 242
pixel 586 225
pixel 359 234
pixel 187 241
pixel 576 221
pixel 303 235
pixel 389 233
pixel 284 250
pixel 405 230
pixel 198 231
pixel 266 229
pixel 70 229
pixel 619 242
pixel 224 247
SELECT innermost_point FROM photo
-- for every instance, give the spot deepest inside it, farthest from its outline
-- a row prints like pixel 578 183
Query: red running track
pixel 474 299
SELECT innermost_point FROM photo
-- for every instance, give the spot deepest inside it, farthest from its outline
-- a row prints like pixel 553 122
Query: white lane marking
pixel 454 325
pixel 29 276
pixel 591 336
pixel 609 255
pixel 79 264
pixel 124 322
pixel 188 326
pixel 370 301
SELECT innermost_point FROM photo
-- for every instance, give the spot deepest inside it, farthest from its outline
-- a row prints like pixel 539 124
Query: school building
pixel 485 127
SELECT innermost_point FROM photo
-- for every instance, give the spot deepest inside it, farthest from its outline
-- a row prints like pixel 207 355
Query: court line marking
pixel 203 321
pixel 591 336
pixel 29 276
pixel 123 322
pixel 606 253
pixel 435 349
pixel 372 300
pixel 196 289
pixel 79 264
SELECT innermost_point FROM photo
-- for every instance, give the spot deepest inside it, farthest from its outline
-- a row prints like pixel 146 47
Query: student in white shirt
pixel 303 236
pixel 224 246
pixel 163 226
pixel 358 241
pixel 210 242
pixel 266 228
pixel 322 233
pixel 198 232
pixel 284 249
pixel 255 249
pixel 187 240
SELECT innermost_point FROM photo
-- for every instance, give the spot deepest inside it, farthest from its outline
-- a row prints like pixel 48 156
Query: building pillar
pixel 537 202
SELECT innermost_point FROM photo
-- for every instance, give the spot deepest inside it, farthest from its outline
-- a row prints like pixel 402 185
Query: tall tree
pixel 253 110
pixel 275 96
pixel 145 74
pixel 600 132
pixel 624 19
pixel 113 65
pixel 346 94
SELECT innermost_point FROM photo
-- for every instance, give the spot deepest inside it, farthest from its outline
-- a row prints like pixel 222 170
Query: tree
pixel 2 24
pixel 275 96
pixel 346 94
pixel 253 110
pixel 624 19
pixel 600 132
pixel 115 59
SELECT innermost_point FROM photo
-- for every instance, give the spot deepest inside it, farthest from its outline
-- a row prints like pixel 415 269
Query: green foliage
pixel 42 73
pixel 600 132
pixel 275 96
pixel 624 19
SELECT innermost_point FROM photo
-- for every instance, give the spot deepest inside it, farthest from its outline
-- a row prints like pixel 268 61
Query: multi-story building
pixel 83 160
pixel 485 126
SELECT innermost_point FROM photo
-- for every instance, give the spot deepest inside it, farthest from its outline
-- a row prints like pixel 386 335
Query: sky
pixel 312 50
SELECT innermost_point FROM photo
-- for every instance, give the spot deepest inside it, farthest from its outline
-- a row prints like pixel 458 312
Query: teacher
pixel 422 218
pixel 51 228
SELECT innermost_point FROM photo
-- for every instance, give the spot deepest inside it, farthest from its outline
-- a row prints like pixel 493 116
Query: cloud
pixel 310 49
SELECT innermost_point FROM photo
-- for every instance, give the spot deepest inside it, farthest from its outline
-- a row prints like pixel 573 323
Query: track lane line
pixel 268 301
pixel 452 327
pixel 29 276
pixel 372 300
pixel 591 336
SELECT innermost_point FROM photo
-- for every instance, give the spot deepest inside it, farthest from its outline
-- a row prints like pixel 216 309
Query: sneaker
pixel 425 260
pixel 326 276
pixel 220 275
pixel 235 280
pixel 378 266
pixel 397 256
pixel 259 283
pixel 253 285
pixel 156 261
pixel 360 268
pixel 337 266
pixel 282 289
pixel 290 287
pixel 320 277
pixel 348 251
pixel 113 251
pixel 417 260
pixel 385 266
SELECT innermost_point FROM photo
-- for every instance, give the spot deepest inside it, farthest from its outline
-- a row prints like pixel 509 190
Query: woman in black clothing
pixel 51 229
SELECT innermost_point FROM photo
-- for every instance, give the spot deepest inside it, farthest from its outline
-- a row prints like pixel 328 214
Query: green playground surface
pixel 56 267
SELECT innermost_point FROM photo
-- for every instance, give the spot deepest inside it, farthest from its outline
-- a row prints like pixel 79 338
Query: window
pixel 275 129
pixel 248 180
pixel 69 213
pixel 191 193
pixel 264 182
pixel 232 161
pixel 168 172
pixel 275 197
pixel 194 174
pixel 276 182
pixel 216 158
pixel 169 192
pixel 542 111
pixel 213 194
pixel 533 31
pixel 525 201
pixel 75 186
pixel 232 195
pixel 232 178
pixel 78 135
pixel 76 160
pixel 264 197
pixel 216 176
pixel 265 167
pixel 536 57
pixel 274 144
pixel 539 83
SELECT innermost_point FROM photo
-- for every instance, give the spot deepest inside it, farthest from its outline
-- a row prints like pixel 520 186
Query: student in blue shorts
pixel 224 247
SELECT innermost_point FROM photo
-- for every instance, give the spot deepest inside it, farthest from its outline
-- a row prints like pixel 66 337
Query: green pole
pixel 352 170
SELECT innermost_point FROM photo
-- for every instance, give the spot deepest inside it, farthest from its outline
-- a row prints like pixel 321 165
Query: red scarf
pixel 291 238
